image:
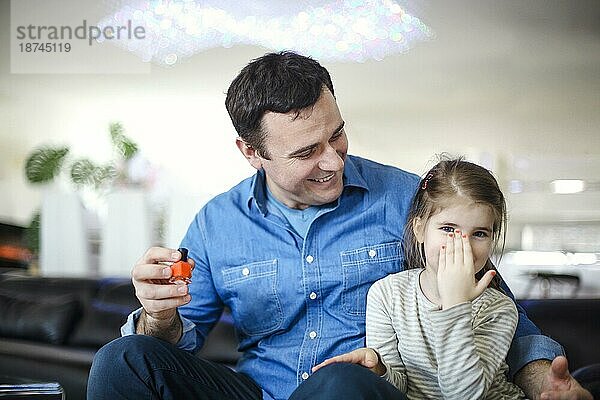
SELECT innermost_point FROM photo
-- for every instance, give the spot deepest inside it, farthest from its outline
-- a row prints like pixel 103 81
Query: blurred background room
pixel 109 146
pixel 512 85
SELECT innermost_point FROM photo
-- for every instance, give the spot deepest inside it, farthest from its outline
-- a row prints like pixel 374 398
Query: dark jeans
pixel 142 367
pixel 348 382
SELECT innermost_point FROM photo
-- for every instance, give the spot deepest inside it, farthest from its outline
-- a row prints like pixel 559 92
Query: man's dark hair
pixel 276 82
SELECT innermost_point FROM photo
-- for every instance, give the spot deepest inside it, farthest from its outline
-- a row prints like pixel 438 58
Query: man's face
pixel 306 152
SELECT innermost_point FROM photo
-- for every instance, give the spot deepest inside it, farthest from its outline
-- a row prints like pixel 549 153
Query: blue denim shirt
pixel 296 301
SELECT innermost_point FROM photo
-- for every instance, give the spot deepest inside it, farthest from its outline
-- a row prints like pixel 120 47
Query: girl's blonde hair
pixel 448 179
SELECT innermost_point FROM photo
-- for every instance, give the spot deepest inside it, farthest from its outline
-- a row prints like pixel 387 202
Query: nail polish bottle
pixel 181 271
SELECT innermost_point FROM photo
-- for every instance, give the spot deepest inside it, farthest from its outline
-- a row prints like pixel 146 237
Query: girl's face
pixel 475 220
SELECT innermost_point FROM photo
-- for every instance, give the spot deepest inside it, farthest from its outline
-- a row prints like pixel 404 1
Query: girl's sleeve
pixel 470 349
pixel 381 335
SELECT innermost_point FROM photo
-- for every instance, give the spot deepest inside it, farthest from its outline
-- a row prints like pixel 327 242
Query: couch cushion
pixel 104 316
pixel 573 323
pixel 47 319
pixel 44 352
pixel 83 289
pixel 97 327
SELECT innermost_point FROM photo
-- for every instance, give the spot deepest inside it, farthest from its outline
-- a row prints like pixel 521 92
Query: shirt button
pixel 305 375
pixel 312 295
pixel 245 272
pixel 372 253
pixel 312 335
pixel 310 259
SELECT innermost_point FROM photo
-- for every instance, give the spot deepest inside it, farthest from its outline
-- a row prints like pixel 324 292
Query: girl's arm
pixel 470 349
pixel 381 335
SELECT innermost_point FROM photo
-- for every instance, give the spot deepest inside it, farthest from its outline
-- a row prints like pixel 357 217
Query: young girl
pixel 442 327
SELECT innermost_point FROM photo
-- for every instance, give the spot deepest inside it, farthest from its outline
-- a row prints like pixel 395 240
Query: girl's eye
pixel 480 234
pixel 447 229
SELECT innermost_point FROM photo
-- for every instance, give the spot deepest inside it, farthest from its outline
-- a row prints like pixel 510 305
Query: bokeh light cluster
pixel 346 30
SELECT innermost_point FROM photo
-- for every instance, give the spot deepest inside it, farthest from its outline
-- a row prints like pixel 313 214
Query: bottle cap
pixel 184 253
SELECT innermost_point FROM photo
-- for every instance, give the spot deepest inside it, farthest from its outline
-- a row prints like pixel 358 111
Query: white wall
pixel 501 80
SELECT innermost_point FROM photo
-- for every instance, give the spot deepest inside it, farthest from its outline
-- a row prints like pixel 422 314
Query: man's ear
pixel 249 153
pixel 418 228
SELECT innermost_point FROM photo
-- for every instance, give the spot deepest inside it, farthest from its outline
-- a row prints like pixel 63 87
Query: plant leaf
pixel 44 164
pixel 83 172
pixel 32 233
pixel 116 131
pixel 105 175
pixel 124 145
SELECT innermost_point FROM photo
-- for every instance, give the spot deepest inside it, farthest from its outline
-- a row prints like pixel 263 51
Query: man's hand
pixel 158 297
pixel 456 272
pixel 550 381
pixel 366 357
pixel 558 384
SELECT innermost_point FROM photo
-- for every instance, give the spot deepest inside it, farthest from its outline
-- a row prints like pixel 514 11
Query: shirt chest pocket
pixel 361 267
pixel 254 301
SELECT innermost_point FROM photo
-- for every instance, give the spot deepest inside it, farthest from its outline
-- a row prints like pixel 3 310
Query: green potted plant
pixel 44 164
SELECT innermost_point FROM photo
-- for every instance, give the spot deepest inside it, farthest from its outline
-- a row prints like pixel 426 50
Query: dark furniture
pixel 574 323
pixel 12 388
pixel 50 328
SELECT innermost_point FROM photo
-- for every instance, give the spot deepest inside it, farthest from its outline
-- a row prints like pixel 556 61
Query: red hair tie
pixel 426 181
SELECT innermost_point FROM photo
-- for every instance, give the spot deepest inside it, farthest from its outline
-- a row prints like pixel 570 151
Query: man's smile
pixel 324 179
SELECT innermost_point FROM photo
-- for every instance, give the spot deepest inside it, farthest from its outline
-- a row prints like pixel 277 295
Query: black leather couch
pixel 50 328
pixel 574 323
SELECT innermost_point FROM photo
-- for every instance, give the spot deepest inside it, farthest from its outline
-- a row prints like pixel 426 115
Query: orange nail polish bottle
pixel 181 271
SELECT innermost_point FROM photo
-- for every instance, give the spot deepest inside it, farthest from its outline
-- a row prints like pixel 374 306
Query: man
pixel 292 252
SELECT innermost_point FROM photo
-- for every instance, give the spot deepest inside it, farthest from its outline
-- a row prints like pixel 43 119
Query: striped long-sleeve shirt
pixel 430 353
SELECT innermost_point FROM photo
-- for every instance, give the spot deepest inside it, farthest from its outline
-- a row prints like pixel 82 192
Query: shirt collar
pixel 352 178
pixel 258 191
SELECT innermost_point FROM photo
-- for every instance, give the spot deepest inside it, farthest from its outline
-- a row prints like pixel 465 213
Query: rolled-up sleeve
pixel 525 349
